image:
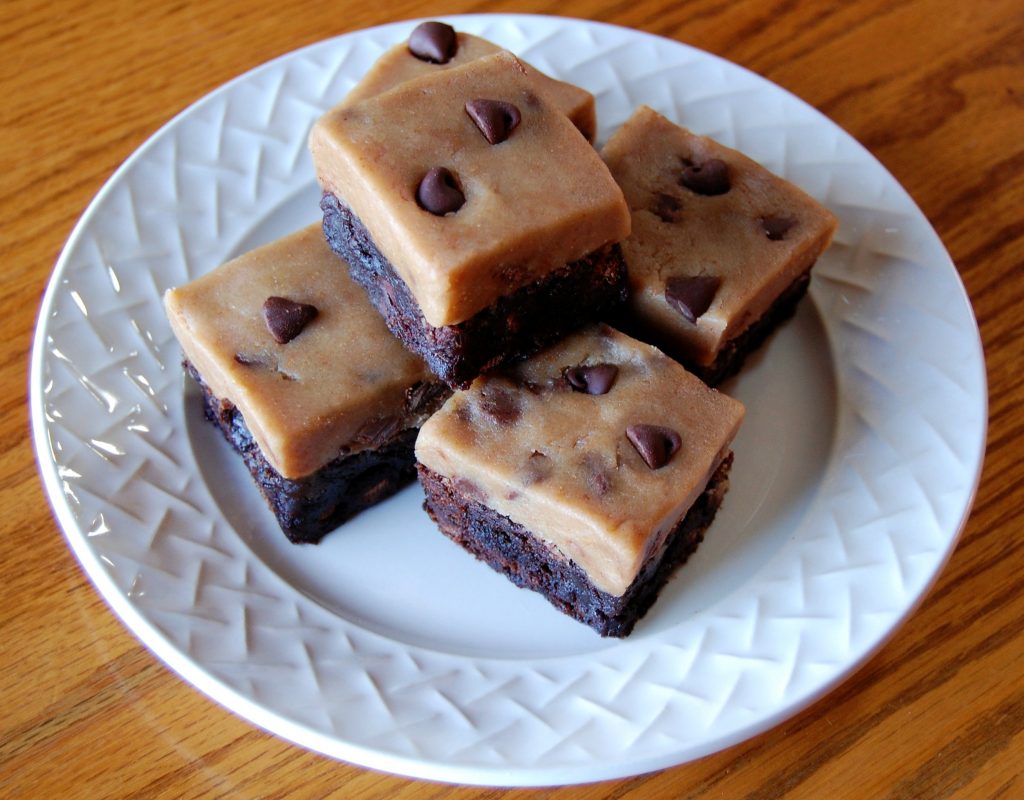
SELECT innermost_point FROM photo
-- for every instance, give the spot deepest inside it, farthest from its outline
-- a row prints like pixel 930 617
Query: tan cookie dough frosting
pixel 398 65
pixel 311 399
pixel 559 460
pixel 534 202
pixel 758 236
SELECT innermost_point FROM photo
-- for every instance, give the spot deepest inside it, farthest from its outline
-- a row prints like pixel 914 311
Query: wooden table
pixel 935 88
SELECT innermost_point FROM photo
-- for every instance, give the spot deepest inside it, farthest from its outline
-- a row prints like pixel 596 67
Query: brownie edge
pixel 514 327
pixel 308 508
pixel 529 563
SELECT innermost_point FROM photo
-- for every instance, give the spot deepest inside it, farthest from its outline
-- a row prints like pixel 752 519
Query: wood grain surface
pixel 934 88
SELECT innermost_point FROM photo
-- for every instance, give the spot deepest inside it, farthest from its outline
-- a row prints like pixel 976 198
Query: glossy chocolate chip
pixel 667 208
pixel 709 178
pixel 434 42
pixel 496 119
pixel 655 444
pixel 439 192
pixel 776 226
pixel 285 318
pixel 593 378
pixel 691 296
pixel 377 432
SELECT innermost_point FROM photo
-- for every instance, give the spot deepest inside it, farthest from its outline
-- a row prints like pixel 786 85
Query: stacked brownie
pixel 490 239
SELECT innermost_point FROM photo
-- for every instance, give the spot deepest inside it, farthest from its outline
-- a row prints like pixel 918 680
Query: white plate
pixel 388 646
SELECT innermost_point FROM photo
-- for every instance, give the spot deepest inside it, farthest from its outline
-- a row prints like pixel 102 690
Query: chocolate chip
pixel 500 405
pixel 376 432
pixel 709 178
pixel 434 42
pixel 468 489
pixel 655 444
pixel 439 192
pixel 285 318
pixel 538 468
pixel 496 119
pixel 422 394
pixel 692 295
pixel 667 208
pixel 776 227
pixel 247 360
pixel 597 476
pixel 592 378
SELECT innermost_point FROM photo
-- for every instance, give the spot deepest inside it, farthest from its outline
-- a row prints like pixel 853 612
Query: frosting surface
pixel 398 65
pixel 534 202
pixel 549 443
pixel 340 385
pixel 757 236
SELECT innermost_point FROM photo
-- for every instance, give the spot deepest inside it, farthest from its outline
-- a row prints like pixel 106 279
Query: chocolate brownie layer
pixel 516 326
pixel 529 563
pixel 312 506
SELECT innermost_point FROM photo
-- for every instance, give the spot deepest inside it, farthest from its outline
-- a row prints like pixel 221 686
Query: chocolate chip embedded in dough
pixel 377 432
pixel 596 474
pixel 777 226
pixel 691 295
pixel 496 119
pixel 655 443
pixel 538 468
pixel 434 42
pixel 710 178
pixel 593 378
pixel 500 404
pixel 439 192
pixel 667 208
pixel 285 318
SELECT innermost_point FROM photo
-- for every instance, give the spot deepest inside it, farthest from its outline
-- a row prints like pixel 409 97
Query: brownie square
pixel 587 472
pixel 468 214
pixel 721 249
pixel 302 377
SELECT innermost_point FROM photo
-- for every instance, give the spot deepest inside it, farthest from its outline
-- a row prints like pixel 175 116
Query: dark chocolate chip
pixel 421 395
pixel 709 178
pixel 776 226
pixel 500 405
pixel 434 42
pixel 496 119
pixel 285 318
pixel 667 208
pixel 592 378
pixel 691 296
pixel 378 432
pixel 439 192
pixel 655 444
